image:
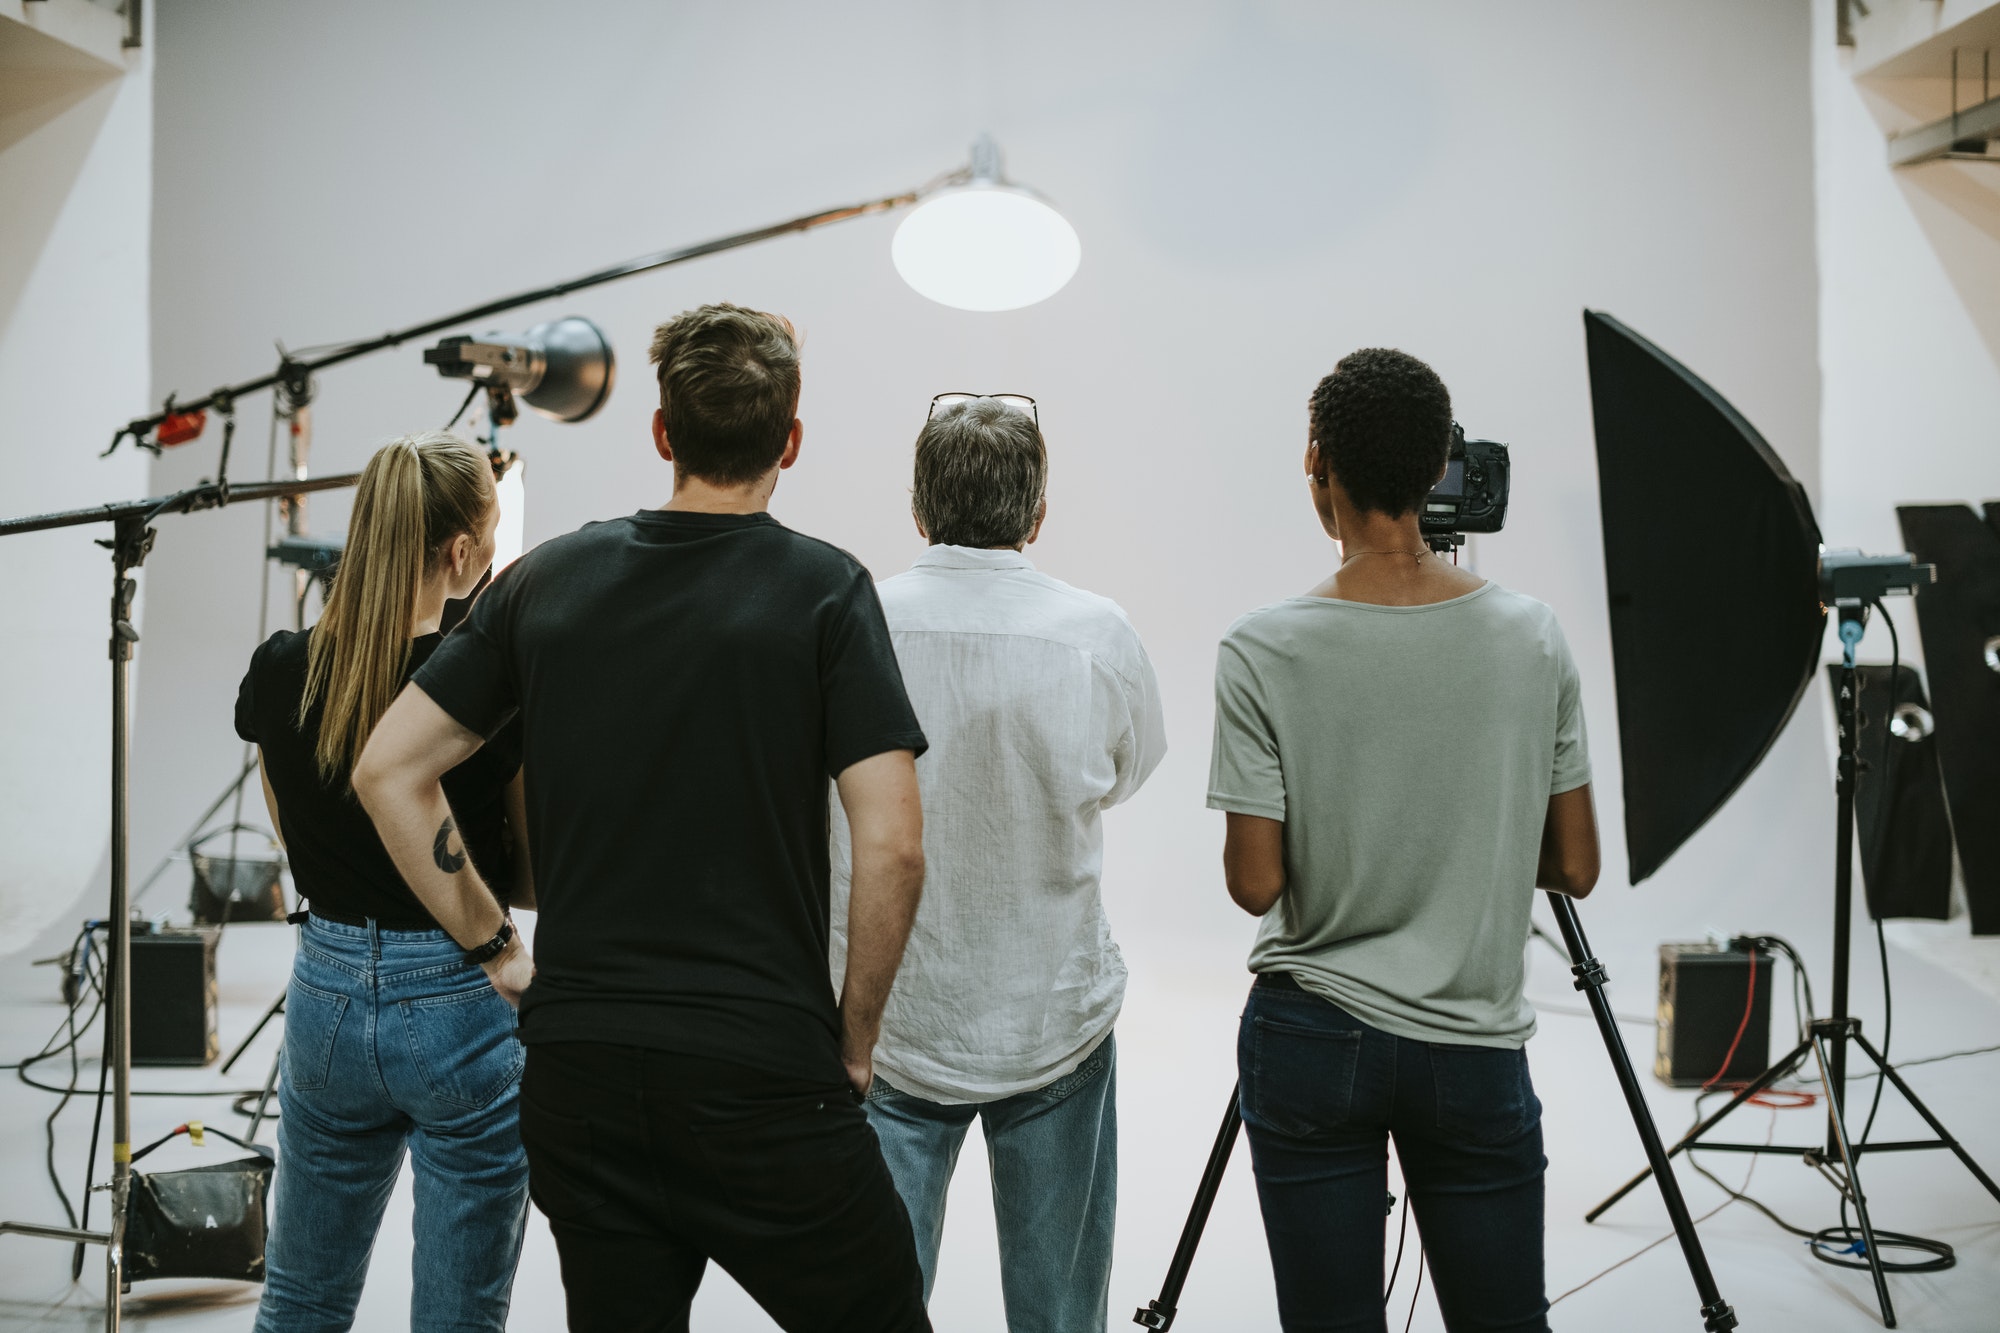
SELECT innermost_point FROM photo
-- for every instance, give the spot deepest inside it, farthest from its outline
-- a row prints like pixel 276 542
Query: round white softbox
pixel 986 246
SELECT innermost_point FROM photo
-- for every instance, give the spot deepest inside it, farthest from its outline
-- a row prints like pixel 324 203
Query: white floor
pixel 1176 1046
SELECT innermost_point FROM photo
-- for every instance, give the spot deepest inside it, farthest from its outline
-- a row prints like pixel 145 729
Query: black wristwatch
pixel 494 947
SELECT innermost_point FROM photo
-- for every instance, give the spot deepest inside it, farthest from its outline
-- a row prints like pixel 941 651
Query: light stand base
pixel 1827 1039
pixel 1845 1155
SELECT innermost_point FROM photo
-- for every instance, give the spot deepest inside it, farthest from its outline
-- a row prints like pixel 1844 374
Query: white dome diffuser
pixel 983 244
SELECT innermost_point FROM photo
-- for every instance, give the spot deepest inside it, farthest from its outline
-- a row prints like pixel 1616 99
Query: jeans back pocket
pixel 312 1021
pixel 1484 1096
pixel 1298 1080
pixel 464 1046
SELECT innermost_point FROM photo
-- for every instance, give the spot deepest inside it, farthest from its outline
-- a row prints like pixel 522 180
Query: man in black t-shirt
pixel 686 680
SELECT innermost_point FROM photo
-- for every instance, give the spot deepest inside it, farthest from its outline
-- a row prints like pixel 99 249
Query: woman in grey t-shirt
pixel 1401 756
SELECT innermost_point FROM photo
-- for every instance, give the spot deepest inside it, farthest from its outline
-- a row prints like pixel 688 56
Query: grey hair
pixel 982 470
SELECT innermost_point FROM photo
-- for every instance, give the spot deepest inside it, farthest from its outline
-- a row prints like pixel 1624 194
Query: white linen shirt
pixel 1042 710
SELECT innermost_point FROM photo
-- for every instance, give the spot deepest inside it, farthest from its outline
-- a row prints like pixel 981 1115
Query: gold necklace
pixel 1356 555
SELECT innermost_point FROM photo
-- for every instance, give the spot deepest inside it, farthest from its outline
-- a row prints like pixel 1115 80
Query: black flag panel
pixel 1899 801
pixel 1958 616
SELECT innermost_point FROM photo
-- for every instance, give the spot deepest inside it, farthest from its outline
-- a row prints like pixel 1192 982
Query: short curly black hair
pixel 1383 423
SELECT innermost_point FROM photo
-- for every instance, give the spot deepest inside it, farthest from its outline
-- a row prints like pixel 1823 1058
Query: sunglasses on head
pixel 1019 402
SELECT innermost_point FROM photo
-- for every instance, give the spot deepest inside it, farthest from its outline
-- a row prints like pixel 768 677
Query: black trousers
pixel 649 1164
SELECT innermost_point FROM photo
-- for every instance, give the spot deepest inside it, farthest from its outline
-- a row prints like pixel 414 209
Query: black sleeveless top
pixel 337 859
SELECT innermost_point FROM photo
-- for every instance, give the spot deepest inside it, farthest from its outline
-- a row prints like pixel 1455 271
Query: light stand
pixel 131 541
pixel 1826 1039
pixel 1591 977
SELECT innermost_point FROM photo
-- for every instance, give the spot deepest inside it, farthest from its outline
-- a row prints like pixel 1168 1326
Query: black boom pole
pixel 299 369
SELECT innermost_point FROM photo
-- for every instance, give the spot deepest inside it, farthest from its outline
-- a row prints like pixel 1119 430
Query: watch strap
pixel 494 947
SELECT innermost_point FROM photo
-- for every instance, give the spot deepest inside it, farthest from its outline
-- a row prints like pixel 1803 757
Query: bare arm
pixel 522 891
pixel 398 782
pixel 1569 860
pixel 885 822
pixel 1253 861
pixel 270 799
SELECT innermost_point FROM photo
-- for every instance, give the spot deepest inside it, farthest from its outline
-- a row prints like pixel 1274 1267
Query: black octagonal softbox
pixel 1711 564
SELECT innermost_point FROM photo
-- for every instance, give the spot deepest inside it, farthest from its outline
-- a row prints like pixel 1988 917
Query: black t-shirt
pixel 338 861
pixel 686 684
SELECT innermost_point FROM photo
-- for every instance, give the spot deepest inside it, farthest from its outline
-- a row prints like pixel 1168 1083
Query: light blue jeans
pixel 393 1040
pixel 1054 1159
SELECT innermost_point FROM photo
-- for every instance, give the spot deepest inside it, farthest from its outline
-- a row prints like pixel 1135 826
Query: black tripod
pixel 1826 1039
pixel 1591 977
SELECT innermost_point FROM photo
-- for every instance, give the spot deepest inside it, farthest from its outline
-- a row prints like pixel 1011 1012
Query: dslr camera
pixel 1471 498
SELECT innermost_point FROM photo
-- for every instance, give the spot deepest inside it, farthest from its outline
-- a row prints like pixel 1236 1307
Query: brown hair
pixel 416 494
pixel 981 471
pixel 729 386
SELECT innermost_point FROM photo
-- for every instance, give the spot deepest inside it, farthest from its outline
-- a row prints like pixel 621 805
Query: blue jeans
pixel 1054 1157
pixel 392 1039
pixel 1322 1092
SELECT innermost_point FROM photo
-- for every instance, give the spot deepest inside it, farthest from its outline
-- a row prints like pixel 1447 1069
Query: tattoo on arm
pixel 441 853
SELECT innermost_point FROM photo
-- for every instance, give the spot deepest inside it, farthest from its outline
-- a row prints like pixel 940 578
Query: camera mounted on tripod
pixel 1471 498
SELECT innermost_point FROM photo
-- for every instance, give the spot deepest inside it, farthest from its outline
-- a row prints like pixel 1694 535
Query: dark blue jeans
pixel 1322 1094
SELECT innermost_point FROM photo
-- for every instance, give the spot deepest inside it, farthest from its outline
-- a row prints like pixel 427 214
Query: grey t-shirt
pixel 1410 752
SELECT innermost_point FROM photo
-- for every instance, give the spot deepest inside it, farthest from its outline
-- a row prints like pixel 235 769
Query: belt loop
pixel 374 940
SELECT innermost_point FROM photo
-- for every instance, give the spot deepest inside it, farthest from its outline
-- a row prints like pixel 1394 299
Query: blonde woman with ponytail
pixel 393 1040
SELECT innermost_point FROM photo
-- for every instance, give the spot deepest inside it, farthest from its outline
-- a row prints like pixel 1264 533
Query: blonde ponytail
pixel 416 494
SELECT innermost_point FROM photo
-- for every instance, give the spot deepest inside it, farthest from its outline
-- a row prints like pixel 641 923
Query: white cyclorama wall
pixel 75 214
pixel 1260 188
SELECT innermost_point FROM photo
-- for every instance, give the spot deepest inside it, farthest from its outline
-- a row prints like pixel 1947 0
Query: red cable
pixel 1749 1003
pixel 1781 1099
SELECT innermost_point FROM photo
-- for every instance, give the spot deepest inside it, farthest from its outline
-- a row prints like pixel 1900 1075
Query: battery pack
pixel 1703 992
pixel 173 997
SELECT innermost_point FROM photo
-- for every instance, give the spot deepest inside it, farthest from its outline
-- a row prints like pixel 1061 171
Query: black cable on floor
pixel 90 1158
pixel 1740 1197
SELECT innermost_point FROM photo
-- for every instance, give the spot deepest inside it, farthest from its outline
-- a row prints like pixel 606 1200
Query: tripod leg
pixel 277 1007
pixel 264 1101
pixel 1762 1081
pixel 1590 979
pixel 1937 1126
pixel 1159 1313
pixel 1837 1130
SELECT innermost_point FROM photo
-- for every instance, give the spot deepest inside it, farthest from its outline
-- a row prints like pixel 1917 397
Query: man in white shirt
pixel 1042 710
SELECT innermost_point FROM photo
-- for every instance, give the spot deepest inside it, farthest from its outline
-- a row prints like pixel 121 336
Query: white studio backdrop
pixel 75 224
pixel 1259 187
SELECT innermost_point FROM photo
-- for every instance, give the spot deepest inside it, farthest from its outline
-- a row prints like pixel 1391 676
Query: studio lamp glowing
pixel 982 243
